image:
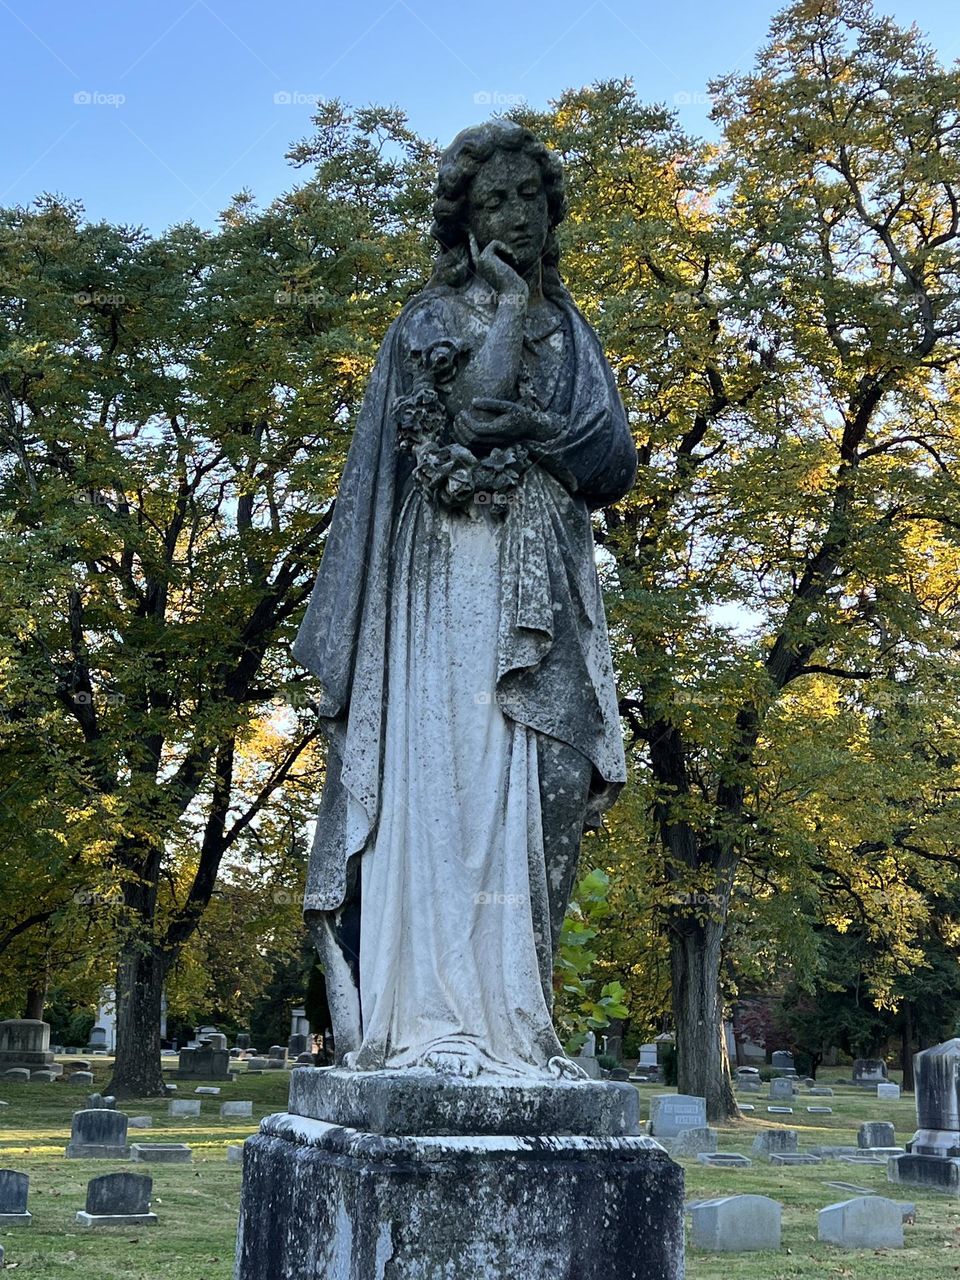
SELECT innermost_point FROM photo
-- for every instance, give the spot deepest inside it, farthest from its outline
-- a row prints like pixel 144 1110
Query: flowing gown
pixel 453 891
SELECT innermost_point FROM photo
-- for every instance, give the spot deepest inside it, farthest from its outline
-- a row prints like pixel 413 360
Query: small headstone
pixel 821 1091
pixel 820 1111
pixel 216 1040
pixel 207 1090
pixel 243 1040
pixel 724 1160
pixel 277 1051
pixel 183 1107
pixel 869 1071
pixel 736 1224
pixel 747 1106
pixel 118 1200
pixel 780 1111
pixel 748 1086
pixel 671 1113
pixel 796 1157
pixel 867 1222
pixel 80 1077
pixel 79 1064
pixel 260 1064
pixel 141 1122
pixel 17 1075
pixel 161 1152
pixel 241 1110
pixel 781 1060
pixel 14 1189
pixel 776 1141
pixel 235 1153
pixel 98 1134
pixel 43 1077
pixel 888 1092
pixel 691 1142
pixel 97 1102
pixel 876 1133
pixel 781 1089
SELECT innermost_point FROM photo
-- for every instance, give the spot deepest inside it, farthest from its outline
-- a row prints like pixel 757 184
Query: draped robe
pixel 546 644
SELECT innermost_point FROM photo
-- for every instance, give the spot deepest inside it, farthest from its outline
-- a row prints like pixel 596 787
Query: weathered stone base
pixel 85 1219
pixel 96 1151
pixel 936 1173
pixel 15 1219
pixel 324 1202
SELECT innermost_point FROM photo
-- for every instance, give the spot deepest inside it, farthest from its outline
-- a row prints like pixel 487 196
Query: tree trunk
pixel 703 1068
pixel 36 999
pixel 906 1050
pixel 140 976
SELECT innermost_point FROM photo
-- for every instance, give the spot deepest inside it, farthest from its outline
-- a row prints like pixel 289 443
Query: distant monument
pixel 467 695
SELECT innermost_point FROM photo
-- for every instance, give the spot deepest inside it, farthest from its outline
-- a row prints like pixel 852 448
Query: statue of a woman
pixel 458 632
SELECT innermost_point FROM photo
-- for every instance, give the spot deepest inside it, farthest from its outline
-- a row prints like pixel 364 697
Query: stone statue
pixel 458 633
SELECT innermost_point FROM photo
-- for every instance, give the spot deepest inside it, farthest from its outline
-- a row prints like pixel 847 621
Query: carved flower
pixel 443 359
pixel 420 417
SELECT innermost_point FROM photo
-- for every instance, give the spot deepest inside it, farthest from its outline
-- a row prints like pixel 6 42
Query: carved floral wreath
pixel 451 474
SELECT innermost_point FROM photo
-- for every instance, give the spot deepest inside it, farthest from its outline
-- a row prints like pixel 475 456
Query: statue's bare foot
pixel 566 1069
pixel 453 1062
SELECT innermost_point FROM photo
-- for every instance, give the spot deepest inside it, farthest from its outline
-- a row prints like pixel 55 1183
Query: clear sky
pixel 154 113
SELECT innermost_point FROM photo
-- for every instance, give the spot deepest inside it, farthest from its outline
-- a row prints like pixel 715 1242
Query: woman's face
pixel 507 202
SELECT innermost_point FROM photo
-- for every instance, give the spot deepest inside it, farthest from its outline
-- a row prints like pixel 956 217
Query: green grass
pixel 197 1204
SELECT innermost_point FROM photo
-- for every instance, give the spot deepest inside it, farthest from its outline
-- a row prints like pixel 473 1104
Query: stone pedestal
pixel 932 1153
pixel 24 1044
pixel 407 1176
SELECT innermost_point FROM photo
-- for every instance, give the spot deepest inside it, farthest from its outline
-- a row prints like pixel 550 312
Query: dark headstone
pixel 14 1189
pixel 869 1071
pixel 119 1193
pixel 98 1135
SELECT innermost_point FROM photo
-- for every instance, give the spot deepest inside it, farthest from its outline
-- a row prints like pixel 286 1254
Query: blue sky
pixel 154 113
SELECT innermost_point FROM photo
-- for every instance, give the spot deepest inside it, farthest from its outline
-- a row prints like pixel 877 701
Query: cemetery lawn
pixel 197 1204
pixel 932 1244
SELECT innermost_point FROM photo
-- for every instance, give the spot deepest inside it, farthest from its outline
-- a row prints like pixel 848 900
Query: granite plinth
pixel 324 1202
pixel 936 1173
pixel 85 1219
pixel 425 1104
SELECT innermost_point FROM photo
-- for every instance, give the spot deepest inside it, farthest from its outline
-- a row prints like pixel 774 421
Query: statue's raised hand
pixel 494 264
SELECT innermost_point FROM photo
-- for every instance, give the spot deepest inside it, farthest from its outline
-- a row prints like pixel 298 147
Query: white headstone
pixel 736 1224
pixel 671 1113
pixel 868 1222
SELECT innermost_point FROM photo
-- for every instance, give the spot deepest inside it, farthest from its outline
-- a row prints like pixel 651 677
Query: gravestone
pixel 99 1102
pixel 795 1158
pixel 691 1142
pixel 671 1113
pixel 888 1092
pixel 118 1200
pixel 243 1040
pixel 44 1077
pixel 216 1040
pixel 141 1122
pixel 781 1089
pixel 235 1153
pixel 736 1224
pixel 81 1077
pixel 24 1045
pixel 208 1090
pixel 933 1153
pixel 300 1037
pixel 869 1071
pixel 820 1111
pixel 781 1060
pixel 867 1222
pixel 241 1110
pixel 98 1040
pixel 724 1160
pixel 778 1141
pixel 184 1107
pixel 780 1111
pixel 161 1152
pixel 14 1190
pixel 203 1063
pixel 876 1133
pixel 821 1091
pixel 99 1134
pixel 17 1075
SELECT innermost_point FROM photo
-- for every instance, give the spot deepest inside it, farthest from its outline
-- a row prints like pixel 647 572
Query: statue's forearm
pixel 493 370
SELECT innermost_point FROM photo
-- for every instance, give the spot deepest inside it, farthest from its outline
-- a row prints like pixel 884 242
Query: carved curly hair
pixel 459 165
